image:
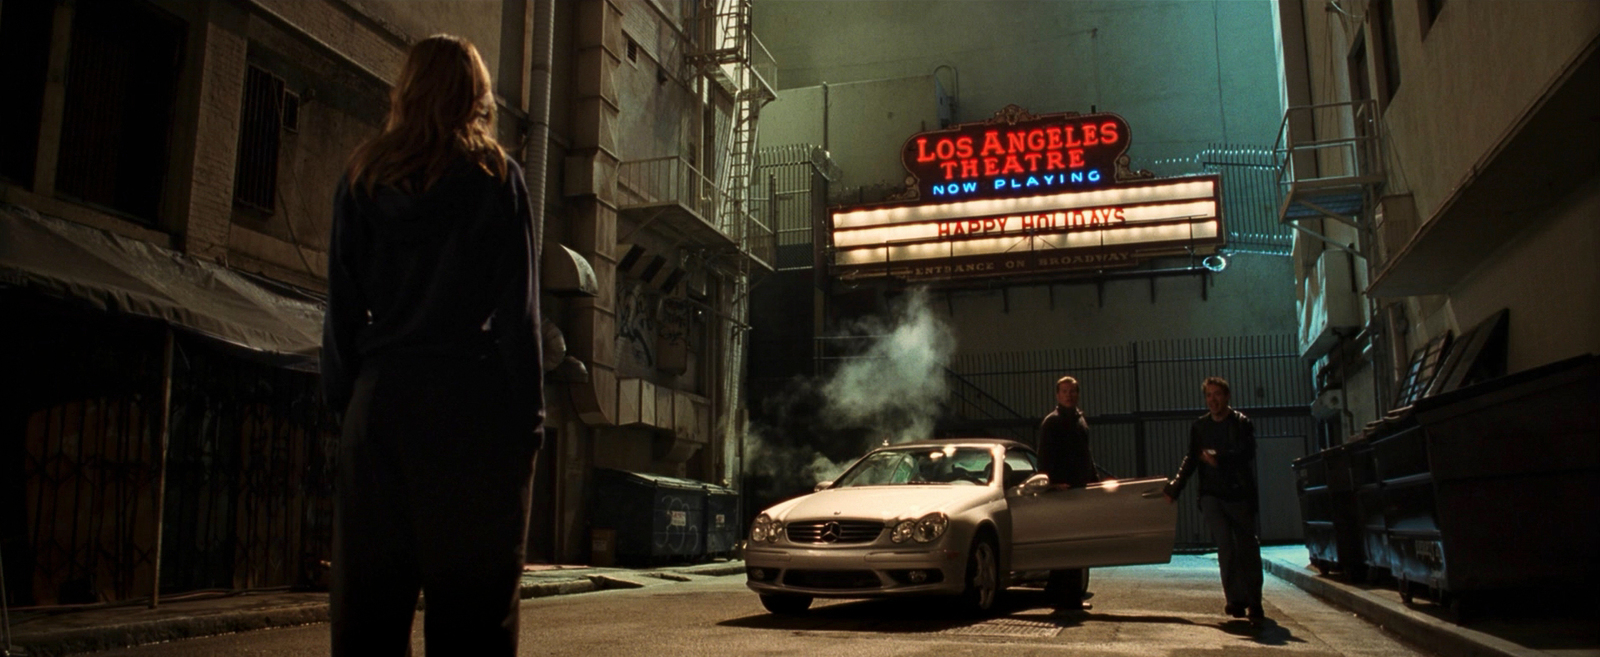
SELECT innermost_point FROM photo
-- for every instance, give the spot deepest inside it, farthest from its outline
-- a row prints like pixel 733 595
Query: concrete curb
pixel 563 587
pixel 1438 636
pixel 88 639
pixel 714 569
pixel 194 625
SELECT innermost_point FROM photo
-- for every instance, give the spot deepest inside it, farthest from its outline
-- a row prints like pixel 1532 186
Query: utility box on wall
pixel 1395 219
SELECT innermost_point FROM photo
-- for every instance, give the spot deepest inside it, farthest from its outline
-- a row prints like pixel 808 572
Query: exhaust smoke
pixel 884 382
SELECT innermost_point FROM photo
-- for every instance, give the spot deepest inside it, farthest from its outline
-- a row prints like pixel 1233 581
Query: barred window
pixel 121 83
pixel 255 182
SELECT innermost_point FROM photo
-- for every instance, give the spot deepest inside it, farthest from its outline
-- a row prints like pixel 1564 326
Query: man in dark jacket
pixel 1222 445
pixel 1064 456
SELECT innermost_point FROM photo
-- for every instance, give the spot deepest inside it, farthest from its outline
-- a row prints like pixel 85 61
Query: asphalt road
pixel 1173 609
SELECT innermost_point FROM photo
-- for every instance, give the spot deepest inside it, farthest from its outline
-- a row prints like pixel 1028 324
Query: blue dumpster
pixel 723 529
pixel 1371 527
pixel 1498 488
pixel 656 518
pixel 1328 509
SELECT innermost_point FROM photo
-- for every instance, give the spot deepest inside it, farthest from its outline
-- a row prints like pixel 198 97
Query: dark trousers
pixel 432 494
pixel 1233 525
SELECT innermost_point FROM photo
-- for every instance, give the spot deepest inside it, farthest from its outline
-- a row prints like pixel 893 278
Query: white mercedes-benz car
pixel 962 517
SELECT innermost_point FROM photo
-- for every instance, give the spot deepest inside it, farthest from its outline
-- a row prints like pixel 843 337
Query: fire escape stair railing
pixel 972 407
pixel 737 61
pixel 1333 178
pixel 727 48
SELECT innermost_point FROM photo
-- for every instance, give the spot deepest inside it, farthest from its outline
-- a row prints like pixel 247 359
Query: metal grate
pixel 1006 627
pixel 250 478
pixel 261 122
pixel 1250 194
pixel 249 486
pixel 840 531
pixel 789 190
pixel 84 454
pixel 1250 198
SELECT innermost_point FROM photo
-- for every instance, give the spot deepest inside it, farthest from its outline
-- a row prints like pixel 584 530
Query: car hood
pixel 882 502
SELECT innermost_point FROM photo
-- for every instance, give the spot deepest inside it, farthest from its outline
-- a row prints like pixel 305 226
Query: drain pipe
pixel 536 154
pixel 536 148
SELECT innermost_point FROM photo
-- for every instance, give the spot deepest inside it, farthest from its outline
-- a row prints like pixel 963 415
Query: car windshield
pixel 971 466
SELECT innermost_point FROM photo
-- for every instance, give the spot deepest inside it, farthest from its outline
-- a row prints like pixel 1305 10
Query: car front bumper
pixel 854 572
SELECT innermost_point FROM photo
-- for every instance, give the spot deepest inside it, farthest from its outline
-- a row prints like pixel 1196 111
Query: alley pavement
pixel 1555 630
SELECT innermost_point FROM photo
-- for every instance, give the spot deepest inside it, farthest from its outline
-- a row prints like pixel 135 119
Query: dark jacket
pixel 447 273
pixel 1234 477
pixel 1064 448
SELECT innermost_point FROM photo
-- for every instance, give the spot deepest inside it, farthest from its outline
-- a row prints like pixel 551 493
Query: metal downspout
pixel 536 150
pixel 536 158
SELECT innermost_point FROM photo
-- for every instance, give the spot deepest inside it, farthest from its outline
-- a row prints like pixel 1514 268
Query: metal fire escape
pixel 733 58
pixel 1330 167
pixel 1335 178
pixel 706 202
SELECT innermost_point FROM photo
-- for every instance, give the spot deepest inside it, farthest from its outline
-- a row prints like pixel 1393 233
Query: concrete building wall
pixel 1184 74
pixel 480 21
pixel 1469 80
pixel 862 124
pixel 221 73
pixel 1549 279
pixel 1472 85
pixel 1250 297
pixel 660 116
pixel 626 91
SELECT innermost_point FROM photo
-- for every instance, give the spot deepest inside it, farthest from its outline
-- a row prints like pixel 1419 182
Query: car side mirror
pixel 823 485
pixel 1036 483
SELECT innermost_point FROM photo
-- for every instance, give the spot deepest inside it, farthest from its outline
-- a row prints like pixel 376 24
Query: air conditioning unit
pixel 1330 304
pixel 1328 404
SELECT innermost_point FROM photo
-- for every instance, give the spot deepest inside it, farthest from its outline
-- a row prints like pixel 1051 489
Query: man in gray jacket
pixel 1222 445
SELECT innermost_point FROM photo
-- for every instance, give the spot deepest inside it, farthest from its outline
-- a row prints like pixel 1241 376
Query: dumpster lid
pixel 1435 408
pixel 655 479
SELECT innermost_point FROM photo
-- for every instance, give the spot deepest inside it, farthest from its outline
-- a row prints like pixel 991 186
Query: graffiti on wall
pixel 636 324
pixel 653 330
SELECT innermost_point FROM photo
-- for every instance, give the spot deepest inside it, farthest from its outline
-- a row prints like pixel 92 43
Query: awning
pixel 123 275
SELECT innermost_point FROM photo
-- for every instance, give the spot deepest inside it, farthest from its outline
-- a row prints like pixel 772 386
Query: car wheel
pixel 983 576
pixel 787 605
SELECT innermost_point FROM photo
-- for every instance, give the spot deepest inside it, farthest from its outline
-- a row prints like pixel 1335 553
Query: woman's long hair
pixel 441 109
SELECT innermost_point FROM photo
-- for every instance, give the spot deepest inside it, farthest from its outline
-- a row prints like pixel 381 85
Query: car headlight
pixel 765 529
pixel 926 529
pixel 931 527
pixel 902 531
pixel 760 529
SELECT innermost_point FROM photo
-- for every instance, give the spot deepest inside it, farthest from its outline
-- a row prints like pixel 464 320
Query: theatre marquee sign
pixel 1023 194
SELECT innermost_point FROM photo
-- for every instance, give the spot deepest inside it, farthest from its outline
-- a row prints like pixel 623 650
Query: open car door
pixel 1111 523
